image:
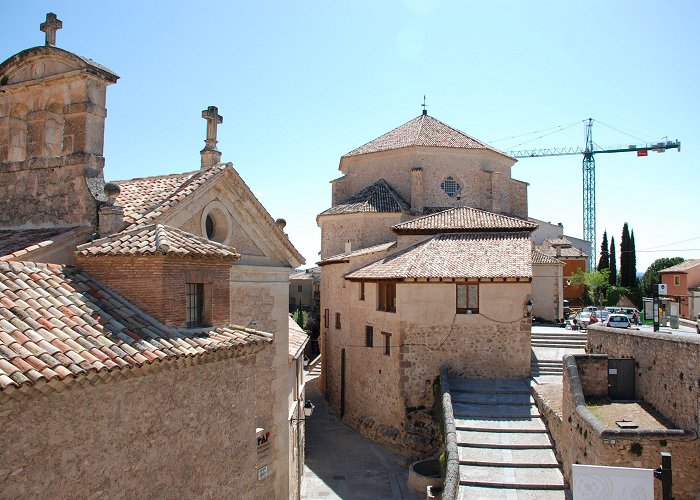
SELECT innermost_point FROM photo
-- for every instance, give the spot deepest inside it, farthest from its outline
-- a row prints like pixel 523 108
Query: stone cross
pixel 50 26
pixel 213 118
pixel 210 155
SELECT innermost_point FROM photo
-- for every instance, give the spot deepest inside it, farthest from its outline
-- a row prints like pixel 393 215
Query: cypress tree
pixel 604 262
pixel 612 279
pixel 624 257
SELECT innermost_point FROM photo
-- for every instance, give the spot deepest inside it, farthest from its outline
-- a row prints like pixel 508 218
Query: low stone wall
pixel 451 486
pixel 580 438
pixel 667 371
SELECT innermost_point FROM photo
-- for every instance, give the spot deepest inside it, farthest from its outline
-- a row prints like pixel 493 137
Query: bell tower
pixel 52 117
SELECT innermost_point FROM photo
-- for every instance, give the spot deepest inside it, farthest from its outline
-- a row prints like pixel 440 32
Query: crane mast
pixel 589 151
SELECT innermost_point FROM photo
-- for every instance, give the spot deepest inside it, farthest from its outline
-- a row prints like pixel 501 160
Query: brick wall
pixel 156 283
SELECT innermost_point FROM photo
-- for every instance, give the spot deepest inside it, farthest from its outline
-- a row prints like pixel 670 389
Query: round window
pixel 451 187
pixel 216 225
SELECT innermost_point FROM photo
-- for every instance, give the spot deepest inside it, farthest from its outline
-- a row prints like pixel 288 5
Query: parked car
pixel 583 319
pixel 603 315
pixel 567 309
pixel 617 321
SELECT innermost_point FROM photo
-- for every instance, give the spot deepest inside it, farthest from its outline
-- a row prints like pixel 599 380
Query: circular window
pixel 451 187
pixel 216 224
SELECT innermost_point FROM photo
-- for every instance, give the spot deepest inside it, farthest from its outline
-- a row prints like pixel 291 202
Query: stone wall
pixel 157 284
pixel 667 373
pixel 470 168
pixel 184 432
pixel 547 291
pixel 580 438
pixel 361 229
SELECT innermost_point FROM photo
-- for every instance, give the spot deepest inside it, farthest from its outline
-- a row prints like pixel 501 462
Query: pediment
pixel 40 63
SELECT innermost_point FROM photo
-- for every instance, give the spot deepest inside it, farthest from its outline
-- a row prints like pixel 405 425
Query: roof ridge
pixel 161 239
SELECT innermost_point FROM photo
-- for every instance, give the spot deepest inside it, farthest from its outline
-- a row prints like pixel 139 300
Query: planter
pixel 425 473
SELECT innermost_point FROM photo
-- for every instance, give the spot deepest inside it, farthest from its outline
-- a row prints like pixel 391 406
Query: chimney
pixel 496 192
pixel 111 216
pixel 348 247
pixel 417 189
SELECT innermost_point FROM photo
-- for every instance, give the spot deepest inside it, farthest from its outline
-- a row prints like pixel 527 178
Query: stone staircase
pixel 505 451
pixel 548 348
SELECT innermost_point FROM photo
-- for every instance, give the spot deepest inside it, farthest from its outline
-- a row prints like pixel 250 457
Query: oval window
pixel 451 187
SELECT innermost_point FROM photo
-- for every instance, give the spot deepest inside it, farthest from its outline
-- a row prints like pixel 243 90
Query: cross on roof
pixel 50 26
pixel 425 106
pixel 213 118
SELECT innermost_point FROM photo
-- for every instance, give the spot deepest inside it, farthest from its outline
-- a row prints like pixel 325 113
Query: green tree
pixel 627 278
pixel 300 317
pixel 595 282
pixel 612 270
pixel 651 275
pixel 633 260
pixel 604 262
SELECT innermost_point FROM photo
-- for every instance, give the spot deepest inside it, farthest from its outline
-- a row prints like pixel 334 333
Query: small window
pixel 362 290
pixel 387 343
pixel 326 318
pixel 337 321
pixel 677 280
pixel 195 304
pixel 300 288
pixel 369 336
pixel 386 297
pixel 467 299
pixel 451 187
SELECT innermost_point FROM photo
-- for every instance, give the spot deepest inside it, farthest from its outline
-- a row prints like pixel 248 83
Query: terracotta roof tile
pixel 297 339
pixel 461 219
pixel 683 267
pixel 560 248
pixel 14 243
pixel 145 199
pixel 379 197
pixel 108 333
pixel 344 257
pixel 423 130
pixel 157 238
pixel 542 258
pixel 457 255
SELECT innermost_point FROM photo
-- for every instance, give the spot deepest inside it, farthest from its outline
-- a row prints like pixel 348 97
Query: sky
pixel 300 83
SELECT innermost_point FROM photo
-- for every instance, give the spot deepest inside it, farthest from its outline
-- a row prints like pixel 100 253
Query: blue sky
pixel 301 83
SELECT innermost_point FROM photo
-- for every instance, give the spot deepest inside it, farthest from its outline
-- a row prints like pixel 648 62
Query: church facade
pixel 426 261
pixel 144 322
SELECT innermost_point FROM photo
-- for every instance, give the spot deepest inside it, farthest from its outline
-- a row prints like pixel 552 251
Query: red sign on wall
pixel 643 152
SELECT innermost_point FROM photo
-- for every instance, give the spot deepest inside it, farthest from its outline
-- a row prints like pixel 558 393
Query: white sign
pixel 262 473
pixel 594 482
pixel 662 289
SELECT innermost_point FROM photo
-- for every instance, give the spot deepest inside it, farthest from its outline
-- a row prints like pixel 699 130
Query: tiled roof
pixel 17 242
pixel 682 267
pixel 563 246
pixel 461 219
pixel 344 257
pixel 542 258
pixel 145 199
pixel 297 339
pixel 457 255
pixel 57 323
pixel 302 274
pixel 157 238
pixel 379 197
pixel 423 130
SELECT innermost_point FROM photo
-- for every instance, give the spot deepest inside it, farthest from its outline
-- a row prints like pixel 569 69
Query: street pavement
pixel 340 463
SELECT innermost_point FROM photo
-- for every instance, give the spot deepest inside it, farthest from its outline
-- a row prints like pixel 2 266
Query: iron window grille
pixel 195 304
pixel 369 336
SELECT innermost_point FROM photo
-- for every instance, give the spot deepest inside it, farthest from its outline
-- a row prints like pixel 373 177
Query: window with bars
pixel 386 297
pixel 325 318
pixel 451 187
pixel 362 290
pixel 387 343
pixel 337 321
pixel 467 299
pixel 195 304
pixel 369 336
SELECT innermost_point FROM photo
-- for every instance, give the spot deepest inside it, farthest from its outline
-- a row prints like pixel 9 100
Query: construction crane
pixel 589 151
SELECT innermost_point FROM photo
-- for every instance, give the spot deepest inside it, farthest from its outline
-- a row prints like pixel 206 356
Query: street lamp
pixel 529 307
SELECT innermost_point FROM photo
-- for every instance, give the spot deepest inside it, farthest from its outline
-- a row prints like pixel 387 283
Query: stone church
pixel 144 333
pixel 427 260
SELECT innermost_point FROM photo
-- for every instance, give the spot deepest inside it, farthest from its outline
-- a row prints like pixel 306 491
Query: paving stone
pixel 504 477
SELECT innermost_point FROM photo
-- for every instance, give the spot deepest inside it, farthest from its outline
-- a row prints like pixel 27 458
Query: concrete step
pixel 503 439
pixel 559 343
pixel 579 337
pixel 498 493
pixel 536 478
pixel 517 457
pixel 490 386
pixel 531 424
pixel 519 399
pixel 505 411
